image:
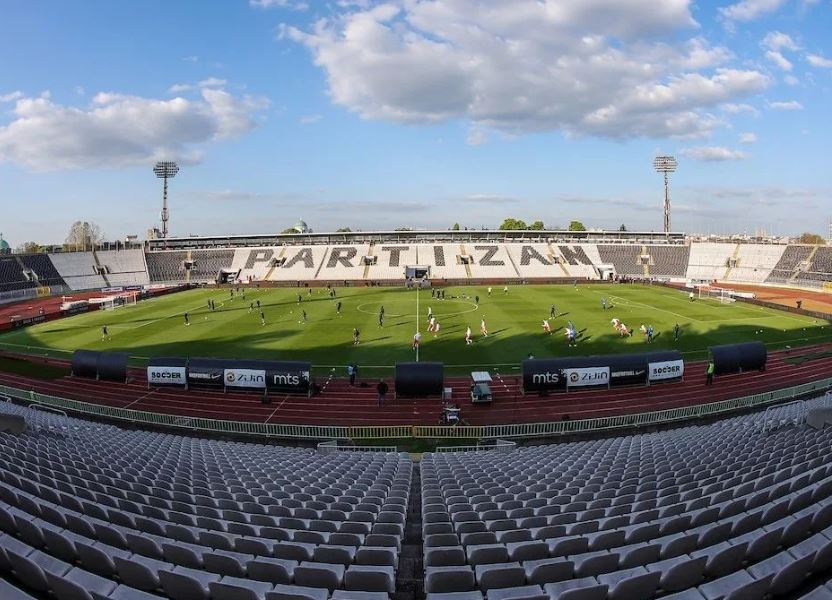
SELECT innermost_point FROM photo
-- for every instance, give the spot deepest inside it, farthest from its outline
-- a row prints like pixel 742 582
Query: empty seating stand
pixel 724 510
pixel 126 514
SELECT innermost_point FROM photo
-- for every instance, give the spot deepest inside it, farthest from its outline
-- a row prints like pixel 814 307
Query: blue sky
pixel 412 112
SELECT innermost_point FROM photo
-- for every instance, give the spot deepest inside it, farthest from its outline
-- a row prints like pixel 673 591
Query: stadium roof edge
pixel 413 236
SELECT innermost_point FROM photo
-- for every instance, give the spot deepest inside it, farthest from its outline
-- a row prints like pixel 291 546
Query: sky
pixel 419 113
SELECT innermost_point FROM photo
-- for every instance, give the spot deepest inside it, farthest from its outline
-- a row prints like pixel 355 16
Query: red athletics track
pixel 812 300
pixel 340 404
pixel 31 307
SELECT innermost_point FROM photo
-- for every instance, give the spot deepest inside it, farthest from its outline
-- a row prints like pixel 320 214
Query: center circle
pixel 409 306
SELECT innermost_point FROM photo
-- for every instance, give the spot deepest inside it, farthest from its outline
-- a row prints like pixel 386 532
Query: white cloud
pixel 816 60
pixel 712 153
pixel 213 82
pixel 179 88
pixel 117 130
pixel 310 119
pixel 738 109
pixel 777 40
pixel 779 60
pixel 191 59
pixel 291 4
pixel 750 10
pixel 11 96
pixel 584 67
pixel 788 105
pixel 791 80
pixel 748 138
pixel 476 137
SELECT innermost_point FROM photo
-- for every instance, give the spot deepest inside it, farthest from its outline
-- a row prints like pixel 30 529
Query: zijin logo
pixel 230 377
pixel 574 377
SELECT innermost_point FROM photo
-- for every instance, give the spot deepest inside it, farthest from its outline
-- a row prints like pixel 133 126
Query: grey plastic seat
pixel 786 572
pixel 141 572
pixel 296 592
pixel 272 570
pixel 311 574
pixel 369 578
pixel 184 583
pixel 503 575
pixel 10 592
pixel 526 592
pixel 31 568
pixel 679 573
pixel 585 588
pixel 548 570
pixel 631 584
pixel 234 588
pixel 78 584
pixel 449 579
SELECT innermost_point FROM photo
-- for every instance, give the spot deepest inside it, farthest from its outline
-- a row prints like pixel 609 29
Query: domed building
pixel 301 227
pixel 4 246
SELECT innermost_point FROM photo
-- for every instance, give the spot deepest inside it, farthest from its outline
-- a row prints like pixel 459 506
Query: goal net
pixel 721 295
pixel 119 300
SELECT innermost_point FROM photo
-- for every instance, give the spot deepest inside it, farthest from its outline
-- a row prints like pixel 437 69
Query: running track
pixel 341 404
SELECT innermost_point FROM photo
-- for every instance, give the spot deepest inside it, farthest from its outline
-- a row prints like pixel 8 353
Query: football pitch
pixel 514 320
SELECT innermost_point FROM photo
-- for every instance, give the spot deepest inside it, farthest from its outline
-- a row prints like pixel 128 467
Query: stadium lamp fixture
pixel 165 169
pixel 666 165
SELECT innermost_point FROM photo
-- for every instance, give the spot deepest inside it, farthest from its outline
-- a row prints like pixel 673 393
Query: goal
pixel 722 295
pixel 119 300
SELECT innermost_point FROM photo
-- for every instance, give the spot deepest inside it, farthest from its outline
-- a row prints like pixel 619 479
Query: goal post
pixel 721 295
pixel 119 300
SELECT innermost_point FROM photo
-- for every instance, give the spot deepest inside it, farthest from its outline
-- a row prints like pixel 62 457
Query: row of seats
pixel 194 518
pixel 731 509
pixel 701 512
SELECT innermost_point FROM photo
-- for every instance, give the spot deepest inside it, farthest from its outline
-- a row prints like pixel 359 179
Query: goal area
pixel 721 295
pixel 120 300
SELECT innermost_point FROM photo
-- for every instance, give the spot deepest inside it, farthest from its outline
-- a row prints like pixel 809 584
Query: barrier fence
pixel 444 432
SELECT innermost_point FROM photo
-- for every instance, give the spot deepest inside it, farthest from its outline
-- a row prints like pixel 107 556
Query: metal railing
pixel 496 446
pixel 331 446
pixel 458 432
pixel 784 415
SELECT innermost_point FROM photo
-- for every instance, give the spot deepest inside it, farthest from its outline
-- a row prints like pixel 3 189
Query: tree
pixel 403 229
pixel 84 235
pixel 343 230
pixel 289 230
pixel 622 228
pixel 30 248
pixel 511 224
pixel 810 238
pixel 537 226
pixel 576 226
pixel 455 227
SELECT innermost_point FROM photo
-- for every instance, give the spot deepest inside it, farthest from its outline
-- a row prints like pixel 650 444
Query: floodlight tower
pixel 165 169
pixel 666 165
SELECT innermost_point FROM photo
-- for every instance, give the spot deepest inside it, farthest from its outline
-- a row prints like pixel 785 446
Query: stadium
pixel 425 397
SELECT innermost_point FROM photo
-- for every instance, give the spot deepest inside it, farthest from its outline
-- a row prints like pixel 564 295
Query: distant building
pixel 4 246
pixel 301 227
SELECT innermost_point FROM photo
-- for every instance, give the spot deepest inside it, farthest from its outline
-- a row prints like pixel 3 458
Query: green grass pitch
pixel 156 327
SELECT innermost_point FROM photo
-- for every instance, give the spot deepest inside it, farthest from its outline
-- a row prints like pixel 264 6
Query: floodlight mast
pixel 165 169
pixel 665 165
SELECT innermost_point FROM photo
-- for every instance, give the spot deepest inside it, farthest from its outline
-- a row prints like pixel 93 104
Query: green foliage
pixel 622 228
pixel 455 227
pixel 810 238
pixel 343 230
pixel 537 226
pixel 30 248
pixel 511 224
pixel 576 226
